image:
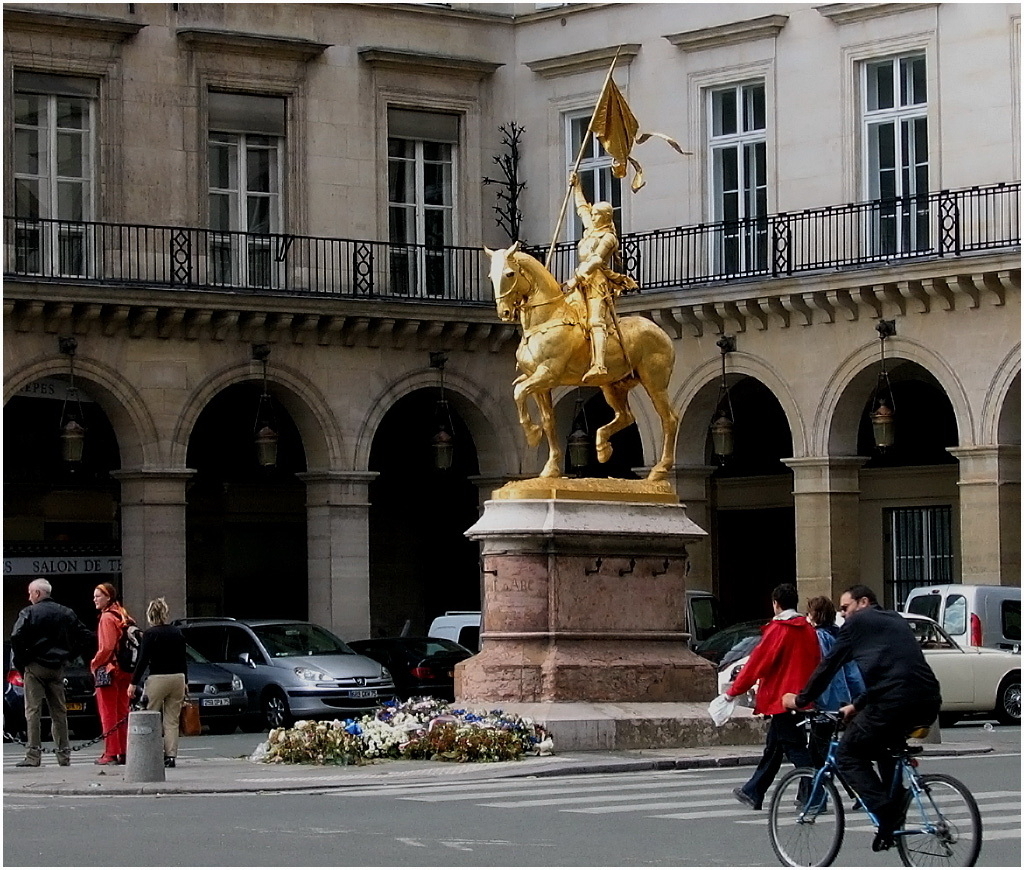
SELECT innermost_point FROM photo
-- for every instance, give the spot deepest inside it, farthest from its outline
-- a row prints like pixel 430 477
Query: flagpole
pixel 579 160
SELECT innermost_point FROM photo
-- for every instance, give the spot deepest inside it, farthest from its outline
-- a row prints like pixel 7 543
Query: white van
pixel 462 626
pixel 972 615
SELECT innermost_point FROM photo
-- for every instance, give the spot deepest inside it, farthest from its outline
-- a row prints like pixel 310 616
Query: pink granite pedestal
pixel 584 601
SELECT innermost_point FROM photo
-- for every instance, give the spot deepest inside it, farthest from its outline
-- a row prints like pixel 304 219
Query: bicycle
pixel 807 820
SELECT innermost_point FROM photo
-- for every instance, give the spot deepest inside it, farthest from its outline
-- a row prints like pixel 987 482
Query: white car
pixel 972 679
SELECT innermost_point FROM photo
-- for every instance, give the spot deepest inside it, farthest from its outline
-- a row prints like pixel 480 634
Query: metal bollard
pixel 145 761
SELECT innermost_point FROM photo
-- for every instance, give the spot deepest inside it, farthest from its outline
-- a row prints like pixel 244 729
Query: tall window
pixel 739 185
pixel 246 144
pixel 54 147
pixel 421 199
pixel 895 133
pixel 919 548
pixel 595 171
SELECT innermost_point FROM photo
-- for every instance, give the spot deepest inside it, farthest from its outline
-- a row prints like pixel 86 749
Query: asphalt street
pixel 431 817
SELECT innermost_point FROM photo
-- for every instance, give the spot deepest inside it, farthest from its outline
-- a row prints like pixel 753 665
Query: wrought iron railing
pixel 944 223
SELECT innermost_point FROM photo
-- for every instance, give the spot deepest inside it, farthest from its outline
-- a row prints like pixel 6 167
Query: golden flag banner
pixel 618 130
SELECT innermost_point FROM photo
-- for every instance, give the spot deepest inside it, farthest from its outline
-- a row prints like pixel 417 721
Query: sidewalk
pixel 239 775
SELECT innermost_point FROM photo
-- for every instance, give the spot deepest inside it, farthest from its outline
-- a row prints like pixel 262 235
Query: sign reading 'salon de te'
pixel 55 565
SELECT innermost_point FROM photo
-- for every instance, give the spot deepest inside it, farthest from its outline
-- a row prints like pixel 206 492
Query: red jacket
pixel 783 661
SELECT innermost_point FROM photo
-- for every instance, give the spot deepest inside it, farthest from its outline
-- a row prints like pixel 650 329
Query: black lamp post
pixel 442 444
pixel 722 427
pixel 72 432
pixel 264 433
pixel 883 407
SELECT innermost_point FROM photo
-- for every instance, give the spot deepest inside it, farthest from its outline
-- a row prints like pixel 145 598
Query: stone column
pixel 826 501
pixel 693 484
pixel 338 550
pixel 153 537
pixel 989 514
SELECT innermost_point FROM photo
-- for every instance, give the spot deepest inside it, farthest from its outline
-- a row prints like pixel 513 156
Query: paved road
pixel 657 818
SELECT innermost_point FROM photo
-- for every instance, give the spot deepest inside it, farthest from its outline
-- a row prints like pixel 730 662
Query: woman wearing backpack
pixel 111 681
pixel 163 656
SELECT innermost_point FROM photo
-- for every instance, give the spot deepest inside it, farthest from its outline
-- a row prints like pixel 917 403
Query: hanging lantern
pixel 883 426
pixel 265 435
pixel 72 433
pixel 579 449
pixel 72 441
pixel 721 436
pixel 444 450
pixel 883 417
pixel 266 447
pixel 722 427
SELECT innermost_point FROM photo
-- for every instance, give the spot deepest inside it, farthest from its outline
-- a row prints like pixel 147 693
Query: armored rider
pixel 599 283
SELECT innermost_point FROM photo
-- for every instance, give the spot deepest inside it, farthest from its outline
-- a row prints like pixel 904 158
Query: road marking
pixel 710 814
pixel 633 807
pixel 409 842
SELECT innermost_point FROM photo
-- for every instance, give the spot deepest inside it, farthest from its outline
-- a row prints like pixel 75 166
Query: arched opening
pixel 245 523
pixel 909 494
pixel 753 525
pixel 421 563
pixel 61 519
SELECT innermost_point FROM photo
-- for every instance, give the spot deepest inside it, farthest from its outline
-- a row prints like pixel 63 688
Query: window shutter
pixel 246 113
pixel 425 126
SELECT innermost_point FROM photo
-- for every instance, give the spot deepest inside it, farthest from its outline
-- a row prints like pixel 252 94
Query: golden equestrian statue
pixel 572 336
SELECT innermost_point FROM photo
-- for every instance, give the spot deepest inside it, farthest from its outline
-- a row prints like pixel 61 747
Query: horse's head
pixel 507 280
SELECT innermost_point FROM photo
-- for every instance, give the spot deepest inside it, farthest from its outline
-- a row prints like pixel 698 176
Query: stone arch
pixel 316 422
pixel 498 452
pixel 1000 418
pixel 137 439
pixel 834 430
pixel 698 395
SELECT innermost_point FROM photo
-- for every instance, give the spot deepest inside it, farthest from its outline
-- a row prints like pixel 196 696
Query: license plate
pixel 215 702
pixel 363 693
pixel 75 706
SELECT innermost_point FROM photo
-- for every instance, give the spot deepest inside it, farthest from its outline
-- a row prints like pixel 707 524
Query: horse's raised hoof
pixel 595 374
pixel 604 452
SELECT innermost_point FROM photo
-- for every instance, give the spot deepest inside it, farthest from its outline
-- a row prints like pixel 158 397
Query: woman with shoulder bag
pixel 163 654
pixel 111 682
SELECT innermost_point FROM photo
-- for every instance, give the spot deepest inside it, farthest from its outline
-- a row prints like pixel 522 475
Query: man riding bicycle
pixel 901 694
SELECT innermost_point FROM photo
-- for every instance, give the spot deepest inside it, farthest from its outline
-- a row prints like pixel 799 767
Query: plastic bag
pixel 721 708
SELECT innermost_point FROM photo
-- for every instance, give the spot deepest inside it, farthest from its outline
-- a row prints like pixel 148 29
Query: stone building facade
pixel 194 190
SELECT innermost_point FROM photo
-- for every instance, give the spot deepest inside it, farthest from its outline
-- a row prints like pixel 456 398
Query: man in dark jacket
pixel 45 636
pixel 901 693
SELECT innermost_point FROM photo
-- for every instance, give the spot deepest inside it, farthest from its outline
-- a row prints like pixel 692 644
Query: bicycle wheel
pixel 806 829
pixel 944 825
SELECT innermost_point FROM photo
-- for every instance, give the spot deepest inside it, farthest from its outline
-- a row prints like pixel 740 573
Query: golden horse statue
pixel 554 351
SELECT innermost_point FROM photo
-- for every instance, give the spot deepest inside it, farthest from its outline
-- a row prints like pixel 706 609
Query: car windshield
pixel 194 655
pixel 299 639
pixel 432 646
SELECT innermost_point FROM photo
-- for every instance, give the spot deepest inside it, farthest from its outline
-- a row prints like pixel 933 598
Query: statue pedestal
pixel 584 601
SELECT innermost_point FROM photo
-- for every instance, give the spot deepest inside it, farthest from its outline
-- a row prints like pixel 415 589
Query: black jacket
pixel 162 652
pixel 48 633
pixel 888 655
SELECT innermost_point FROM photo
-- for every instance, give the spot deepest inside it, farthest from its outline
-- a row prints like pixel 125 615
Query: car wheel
pixel 1008 709
pixel 223 725
pixel 275 709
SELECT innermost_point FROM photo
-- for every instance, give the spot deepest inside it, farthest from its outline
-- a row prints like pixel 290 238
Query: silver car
pixel 291 669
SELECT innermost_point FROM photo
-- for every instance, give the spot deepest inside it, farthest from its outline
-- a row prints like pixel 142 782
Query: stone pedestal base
pixel 584 601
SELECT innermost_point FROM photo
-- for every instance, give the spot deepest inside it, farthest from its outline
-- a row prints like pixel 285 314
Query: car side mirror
pixel 246 659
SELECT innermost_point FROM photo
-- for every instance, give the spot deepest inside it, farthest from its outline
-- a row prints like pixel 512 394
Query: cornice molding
pixel 851 13
pixel 764 27
pixel 430 64
pixel 73 23
pixel 583 61
pixel 285 47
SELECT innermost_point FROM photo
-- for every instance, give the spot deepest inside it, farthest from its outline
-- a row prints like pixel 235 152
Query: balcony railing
pixel 945 223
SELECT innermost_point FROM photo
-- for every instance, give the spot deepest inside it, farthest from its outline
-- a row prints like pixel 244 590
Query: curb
pixel 571 767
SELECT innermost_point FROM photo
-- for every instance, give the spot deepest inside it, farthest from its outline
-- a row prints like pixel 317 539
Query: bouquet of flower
pixel 417 728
